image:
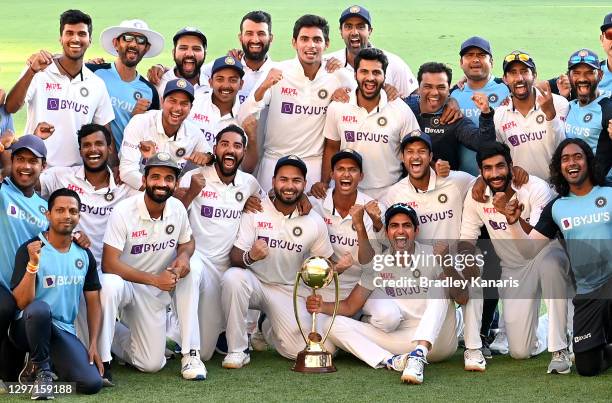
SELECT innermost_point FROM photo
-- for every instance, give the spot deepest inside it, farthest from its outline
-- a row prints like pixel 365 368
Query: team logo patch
pixel 587 118
pixel 601 202
pixel 163 156
pixel 382 121
pixel 435 122
pixel 322 94
pixel 442 198
pixel 180 152
pixel 169 229
pixel 181 83
pixel 109 197
pixel 493 98
pixel 540 119
pixel 355 9
pixel 416 273
pixel 297 231
pixel 583 53
pixel 42 209
pixel 79 264
pixel 239 196
pixel 84 92
pixel 137 95
pixel 230 60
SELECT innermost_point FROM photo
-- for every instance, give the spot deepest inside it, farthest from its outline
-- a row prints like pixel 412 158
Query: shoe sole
pixel 106 383
pixel 410 380
pixel 199 377
pixel 234 366
pixel 555 372
pixel 472 368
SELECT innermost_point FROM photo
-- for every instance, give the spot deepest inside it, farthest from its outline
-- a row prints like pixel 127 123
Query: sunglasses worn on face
pixel 523 57
pixel 608 34
pixel 141 40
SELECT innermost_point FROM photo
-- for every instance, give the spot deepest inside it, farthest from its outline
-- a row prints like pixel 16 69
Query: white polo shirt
pixel 290 239
pixel 296 110
pixel 148 126
pixel 66 104
pixel 201 88
pixel 215 213
pixel 398 72
pixel 207 116
pixel 532 139
pixel 534 195
pixel 439 208
pixel 148 244
pixel 96 204
pixel 375 135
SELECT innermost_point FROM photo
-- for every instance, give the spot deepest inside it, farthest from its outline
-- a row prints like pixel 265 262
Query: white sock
pixel 423 350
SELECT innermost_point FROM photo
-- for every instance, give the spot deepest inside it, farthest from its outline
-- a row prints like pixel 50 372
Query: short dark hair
pixel 258 16
pixel 234 129
pixel 491 149
pixel 91 128
pixel 435 67
pixel 75 17
pixel 556 175
pixel 63 192
pixel 310 20
pixel 372 54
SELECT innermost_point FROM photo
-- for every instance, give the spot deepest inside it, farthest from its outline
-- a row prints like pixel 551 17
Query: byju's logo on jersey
pixel 287 108
pixel 518 139
pixel 571 222
pixel 498 226
pixel 211 212
pixel 566 223
pixel 349 136
pixel 152 247
pixel 49 281
pixel 13 211
pixel 53 104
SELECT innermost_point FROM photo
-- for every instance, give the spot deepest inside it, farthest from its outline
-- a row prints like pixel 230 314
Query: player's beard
pixel 150 191
pixel 507 180
pixel 127 62
pixel 225 171
pixel 102 167
pixel 374 95
pixel 256 56
pixel 194 73
pixel 582 98
pixel 287 202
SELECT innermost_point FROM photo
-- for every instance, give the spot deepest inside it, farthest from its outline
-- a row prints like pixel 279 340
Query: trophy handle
pixel 337 302
pixel 295 305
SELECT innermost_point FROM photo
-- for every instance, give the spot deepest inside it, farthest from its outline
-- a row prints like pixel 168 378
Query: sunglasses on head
pixel 608 34
pixel 583 59
pixel 141 40
pixel 523 57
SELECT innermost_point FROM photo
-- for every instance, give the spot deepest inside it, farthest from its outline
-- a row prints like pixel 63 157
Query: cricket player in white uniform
pixel 531 124
pixel 270 249
pixel 61 92
pixel 423 313
pixel 215 197
pixel 296 94
pixel 523 281
pixel 167 130
pixel 369 124
pixel 147 248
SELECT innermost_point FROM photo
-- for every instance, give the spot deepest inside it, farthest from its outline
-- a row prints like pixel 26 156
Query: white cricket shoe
pixel 473 360
pixel 397 362
pixel 500 344
pixel 561 362
pixel 236 360
pixel 258 341
pixel 413 373
pixel 192 367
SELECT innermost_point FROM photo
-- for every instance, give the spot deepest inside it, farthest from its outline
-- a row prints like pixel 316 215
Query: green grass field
pixel 417 31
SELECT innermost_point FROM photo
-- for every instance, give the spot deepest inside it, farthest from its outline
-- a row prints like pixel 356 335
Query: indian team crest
pixel 163 156
pixel 181 83
pixel 382 121
pixel 416 273
pixel 493 98
pixel 230 60
pixel 84 92
pixel 587 118
pixel 601 202
pixel 180 152
pixel 79 264
pixel 435 122
pixel 583 53
pixel 42 209
pixel 540 119
pixel 109 197
pixel 322 93
pixel 355 9
pixel 137 95
pixel 239 196
pixel 169 229
pixel 442 198
pixel 297 231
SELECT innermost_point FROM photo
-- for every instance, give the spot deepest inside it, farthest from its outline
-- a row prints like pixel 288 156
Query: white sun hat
pixel 137 26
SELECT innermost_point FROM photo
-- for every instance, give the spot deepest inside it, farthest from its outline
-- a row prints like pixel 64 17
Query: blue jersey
pixel 605 85
pixel 590 123
pixel 61 279
pixel 21 218
pixel 497 91
pixel 6 121
pixel 123 96
pixel 584 222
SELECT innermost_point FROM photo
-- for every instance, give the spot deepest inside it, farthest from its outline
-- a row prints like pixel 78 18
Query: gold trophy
pixel 316 272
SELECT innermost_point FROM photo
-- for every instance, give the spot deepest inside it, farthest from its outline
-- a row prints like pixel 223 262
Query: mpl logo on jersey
pixel 139 234
pixel 219 212
pixel 52 281
pixel 349 119
pixel 209 194
pixel 437 216
pixel 264 225
pixel 53 87
pixel 292 92
pixel 75 188
pixel 152 247
pixel 289 108
pixel 351 136
pixel 510 125
pixel 56 104
pixel 200 117
pixel 518 139
pixel 13 211
pixel 281 244
pixel 571 222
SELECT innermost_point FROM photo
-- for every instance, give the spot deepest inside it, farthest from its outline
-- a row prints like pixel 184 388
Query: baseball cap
pixel 179 84
pixel 356 11
pixel 475 42
pixel 347 153
pixel 398 208
pixel 292 160
pixel 190 31
pixel 416 135
pixel 607 23
pixel 32 143
pixel 227 62
pixel 163 159
pixel 585 56
pixel 519 56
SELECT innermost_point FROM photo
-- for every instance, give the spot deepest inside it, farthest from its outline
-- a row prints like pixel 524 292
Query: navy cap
pixel 227 62
pixel 416 135
pixel 475 42
pixel 403 208
pixel 356 11
pixel 32 143
pixel 190 31
pixel 347 153
pixel 163 159
pixel 519 56
pixel 179 84
pixel 607 23
pixel 292 160
pixel 585 56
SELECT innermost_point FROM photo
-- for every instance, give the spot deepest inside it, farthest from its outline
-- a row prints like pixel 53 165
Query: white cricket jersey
pixel 296 110
pixel 290 239
pixel 96 204
pixel 534 196
pixel 207 116
pixel 532 139
pixel 398 72
pixel 66 104
pixel 148 126
pixel 439 208
pixel 215 213
pixel 147 244
pixel 375 135
pixel 201 88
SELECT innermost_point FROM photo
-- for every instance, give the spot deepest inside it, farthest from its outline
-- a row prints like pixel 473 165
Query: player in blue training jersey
pixel 590 112
pixel 477 62
pixel 51 272
pixel 581 213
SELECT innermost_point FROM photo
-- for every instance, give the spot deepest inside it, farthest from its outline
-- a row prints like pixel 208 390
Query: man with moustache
pixel 147 248
pixel 130 93
pixel 61 92
pixel 370 124
pixel 590 113
pixel 581 213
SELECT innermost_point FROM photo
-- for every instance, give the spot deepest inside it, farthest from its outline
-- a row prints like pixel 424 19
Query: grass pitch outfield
pixel 417 31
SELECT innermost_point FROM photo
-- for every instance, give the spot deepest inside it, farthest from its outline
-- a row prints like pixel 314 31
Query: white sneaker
pixel 561 362
pixel 236 360
pixel 473 360
pixel 192 367
pixel 413 373
pixel 258 341
pixel 500 344
pixel 397 362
